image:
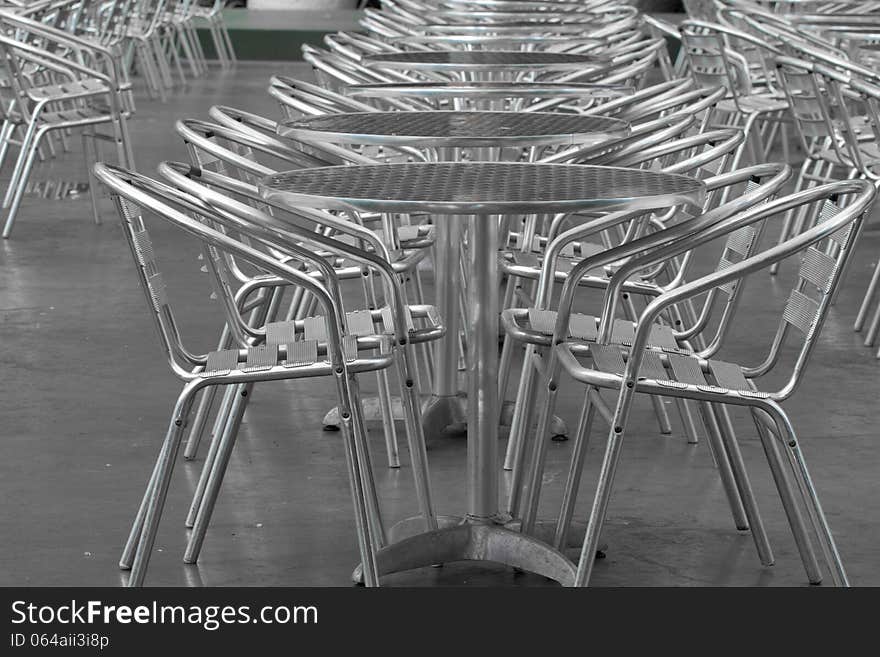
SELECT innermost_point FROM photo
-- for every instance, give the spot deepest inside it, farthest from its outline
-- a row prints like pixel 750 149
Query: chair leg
pixel 787 497
pixel 350 429
pixel 725 471
pixel 5 139
pixel 197 427
pixel 743 485
pixel 216 468
pixel 27 142
pixel 576 468
pixel 504 365
pixel 602 497
pixel 811 498
pixel 548 386
pixel 514 458
pixel 374 513
pixel 874 326
pixel 221 421
pixel 158 488
pixel 389 429
pixel 415 436
pixel 21 183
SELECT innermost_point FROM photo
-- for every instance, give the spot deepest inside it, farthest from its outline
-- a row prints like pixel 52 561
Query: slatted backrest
pixel 707 59
pixel 149 277
pixel 703 10
pixel 817 275
pixel 807 104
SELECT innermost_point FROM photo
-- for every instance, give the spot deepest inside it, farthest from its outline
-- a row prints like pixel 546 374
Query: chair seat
pixel 68 90
pixel 303 343
pixel 570 255
pixel 75 116
pixel 586 327
pixel 754 104
pixel 674 372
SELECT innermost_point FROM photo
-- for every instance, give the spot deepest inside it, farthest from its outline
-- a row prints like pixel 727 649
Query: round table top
pixel 508 28
pixel 478 60
pixel 487 90
pixel 519 5
pixel 480 188
pixel 455 128
pixel 503 40
pixel 493 14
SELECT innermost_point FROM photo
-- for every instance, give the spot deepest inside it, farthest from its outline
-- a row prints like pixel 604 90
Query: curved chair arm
pixel 866 194
pixel 131 187
pixel 175 172
pixel 79 44
pixel 675 240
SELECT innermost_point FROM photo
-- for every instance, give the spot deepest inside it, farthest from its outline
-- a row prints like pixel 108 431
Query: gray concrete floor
pixel 86 396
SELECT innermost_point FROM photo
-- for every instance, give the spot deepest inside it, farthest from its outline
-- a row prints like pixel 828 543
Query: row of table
pixel 472 196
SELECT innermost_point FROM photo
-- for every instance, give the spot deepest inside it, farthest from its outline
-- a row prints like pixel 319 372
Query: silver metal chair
pixel 643 365
pixel 527 260
pixel 61 84
pixel 759 111
pixel 422 325
pixel 212 13
pixel 249 157
pixel 326 347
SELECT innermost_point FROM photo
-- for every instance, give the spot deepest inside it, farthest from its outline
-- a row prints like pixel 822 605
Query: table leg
pixel 481 535
pixel 482 458
pixel 445 408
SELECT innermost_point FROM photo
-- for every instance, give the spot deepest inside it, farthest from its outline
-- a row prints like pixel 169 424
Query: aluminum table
pixel 478 193
pixel 481 64
pixel 525 38
pixel 520 5
pixel 444 133
pixel 489 95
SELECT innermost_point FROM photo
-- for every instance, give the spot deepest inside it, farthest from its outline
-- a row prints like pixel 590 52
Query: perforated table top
pixel 569 29
pixel 480 188
pixel 486 60
pixel 454 128
pixel 503 15
pixel 515 5
pixel 480 89
pixel 499 40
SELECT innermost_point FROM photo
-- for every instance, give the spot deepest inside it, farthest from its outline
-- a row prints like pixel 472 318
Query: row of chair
pixel 662 326
pixel 67 67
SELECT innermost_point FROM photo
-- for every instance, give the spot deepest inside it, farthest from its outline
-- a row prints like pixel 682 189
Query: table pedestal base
pixel 471 541
pixel 447 414
pixel 445 545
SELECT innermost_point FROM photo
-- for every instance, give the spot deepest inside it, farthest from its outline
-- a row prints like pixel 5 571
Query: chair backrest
pixel 243 158
pixel 870 98
pixel 625 106
pixel 710 62
pixel 758 183
pixel 807 104
pixel 137 196
pixel 823 251
pixel 298 98
pixel 703 10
